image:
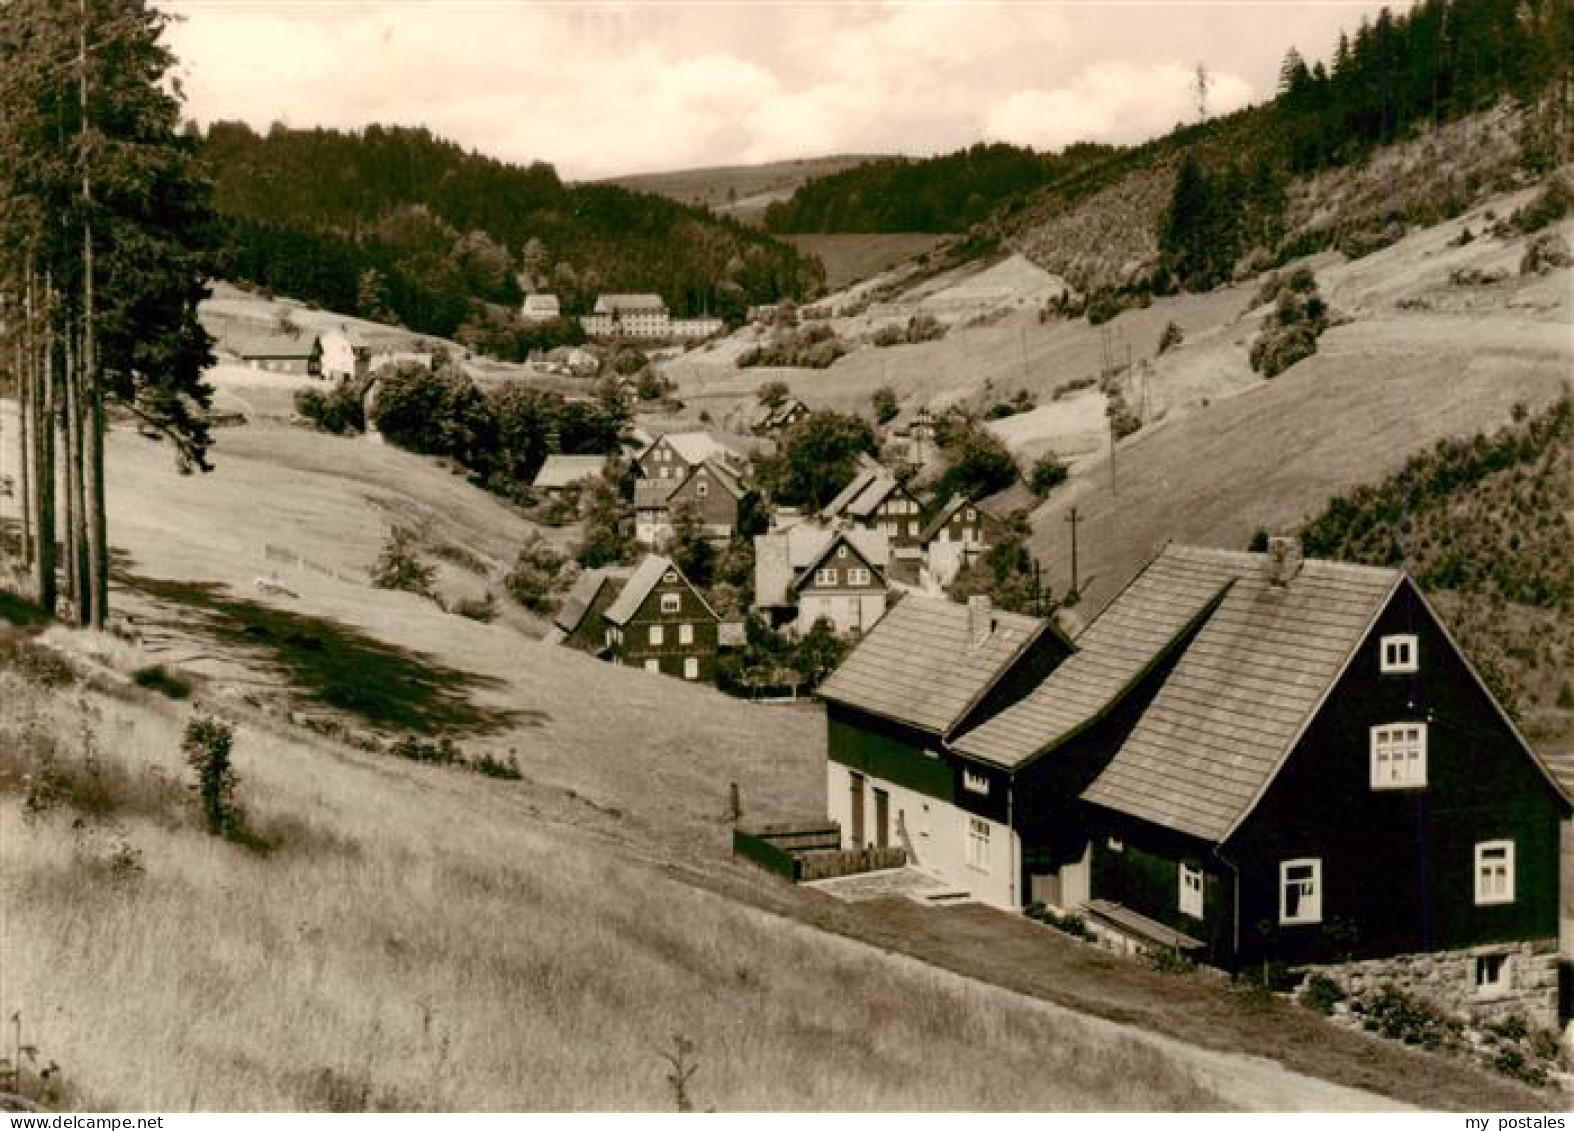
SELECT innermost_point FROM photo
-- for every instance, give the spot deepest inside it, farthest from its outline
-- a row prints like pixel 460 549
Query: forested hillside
pixel 1483 526
pixel 396 223
pixel 946 193
pixel 1246 191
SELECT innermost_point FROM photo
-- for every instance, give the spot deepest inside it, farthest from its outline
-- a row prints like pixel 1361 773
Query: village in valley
pixel 1080 629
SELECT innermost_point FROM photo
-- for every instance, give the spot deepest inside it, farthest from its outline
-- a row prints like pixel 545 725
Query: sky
pixel 600 89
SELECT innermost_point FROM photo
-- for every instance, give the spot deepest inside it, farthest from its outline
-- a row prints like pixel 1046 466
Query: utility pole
pixel 1114 481
pixel 1073 518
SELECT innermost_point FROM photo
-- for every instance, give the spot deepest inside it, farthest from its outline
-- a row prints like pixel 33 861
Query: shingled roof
pixel 646 578
pixel 1243 690
pixel 781 556
pixel 1137 630
pixel 558 471
pixel 583 595
pixel 922 666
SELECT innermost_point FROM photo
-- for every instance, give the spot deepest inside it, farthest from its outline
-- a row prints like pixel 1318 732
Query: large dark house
pixel 661 623
pixel 1254 758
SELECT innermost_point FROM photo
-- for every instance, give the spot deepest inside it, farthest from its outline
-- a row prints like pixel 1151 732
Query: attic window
pixel 975 783
pixel 1399 655
pixel 858 577
pixel 670 577
pixel 1399 756
pixel 671 602
pixel 825 577
pixel 702 489
pixel 841 551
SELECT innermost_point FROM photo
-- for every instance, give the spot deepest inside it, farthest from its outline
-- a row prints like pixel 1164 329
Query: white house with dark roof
pixel 810 572
pixel 540 307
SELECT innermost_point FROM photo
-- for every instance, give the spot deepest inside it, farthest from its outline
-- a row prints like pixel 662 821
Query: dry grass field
pixel 415 938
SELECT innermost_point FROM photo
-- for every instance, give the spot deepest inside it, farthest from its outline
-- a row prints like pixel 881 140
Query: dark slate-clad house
pixel 661 623
pixel 581 622
pixel 1258 758
pixel 927 670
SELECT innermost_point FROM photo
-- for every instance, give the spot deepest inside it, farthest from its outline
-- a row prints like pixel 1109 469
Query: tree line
pixel 947 193
pixel 106 231
pixel 396 224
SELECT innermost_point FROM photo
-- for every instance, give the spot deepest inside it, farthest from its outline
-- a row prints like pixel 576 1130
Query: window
pixel 701 490
pixel 671 602
pixel 1399 756
pixel 971 514
pixel 975 783
pixel 653 666
pixel 610 638
pixel 1399 654
pixel 1300 892
pixel 841 551
pixel 1191 891
pixel 912 528
pixel 1495 872
pixel 858 577
pixel 1491 973
pixel 825 577
pixel 978 844
pixel 1115 844
pixel 670 577
pixel 656 635
pixel 691 666
pixel 685 634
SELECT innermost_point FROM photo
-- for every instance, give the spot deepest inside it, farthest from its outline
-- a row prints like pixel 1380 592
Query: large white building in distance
pixel 645 317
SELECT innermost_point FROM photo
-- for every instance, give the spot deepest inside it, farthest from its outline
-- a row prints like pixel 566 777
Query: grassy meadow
pixel 403 937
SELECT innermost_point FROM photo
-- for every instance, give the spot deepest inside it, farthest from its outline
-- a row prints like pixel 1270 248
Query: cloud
pixel 1114 102
pixel 600 89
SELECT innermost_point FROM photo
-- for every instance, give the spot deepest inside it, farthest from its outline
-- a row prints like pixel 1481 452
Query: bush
pixel 1168 960
pixel 1048 472
pixel 1554 202
pixel 1393 1013
pixel 340 411
pixel 1104 306
pixel 398 567
pixel 1290 331
pixel 483 608
pixel 1073 925
pixel 535 575
pixel 207 743
pixel 885 406
pixel 156 677
pixel 811 347
pixel 506 769
pixel 1123 421
pixel 34 662
pixel 1546 252
pixel 1321 993
pixel 1172 336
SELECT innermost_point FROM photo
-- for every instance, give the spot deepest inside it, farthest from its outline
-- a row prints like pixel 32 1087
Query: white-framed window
pixel 1301 891
pixel 978 844
pixel 1115 844
pixel 858 577
pixel 685 634
pixel 657 636
pixel 971 514
pixel 912 529
pixel 653 666
pixel 701 490
pixel 1191 891
pixel 691 666
pixel 610 638
pixel 1399 756
pixel 841 551
pixel 671 602
pixel 670 577
pixel 825 577
pixel 1399 654
pixel 975 783
pixel 1491 973
pixel 666 472
pixel 1495 872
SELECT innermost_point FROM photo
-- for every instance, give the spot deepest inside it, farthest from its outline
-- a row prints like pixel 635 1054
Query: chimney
pixel 1284 559
pixel 980 619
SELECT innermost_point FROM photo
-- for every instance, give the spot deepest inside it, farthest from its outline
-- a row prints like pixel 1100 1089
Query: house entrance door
pixel 856 809
pixel 882 819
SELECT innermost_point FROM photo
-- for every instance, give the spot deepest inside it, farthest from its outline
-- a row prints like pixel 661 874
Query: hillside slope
pixel 740 191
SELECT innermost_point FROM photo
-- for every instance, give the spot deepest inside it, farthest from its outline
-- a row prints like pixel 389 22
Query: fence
pixel 806 852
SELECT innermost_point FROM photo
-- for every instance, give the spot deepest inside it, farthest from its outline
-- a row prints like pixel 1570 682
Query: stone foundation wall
pixel 1448 980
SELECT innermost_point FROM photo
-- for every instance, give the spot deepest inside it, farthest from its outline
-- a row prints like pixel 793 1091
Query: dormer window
pixel 1399 756
pixel 975 783
pixel 1399 655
